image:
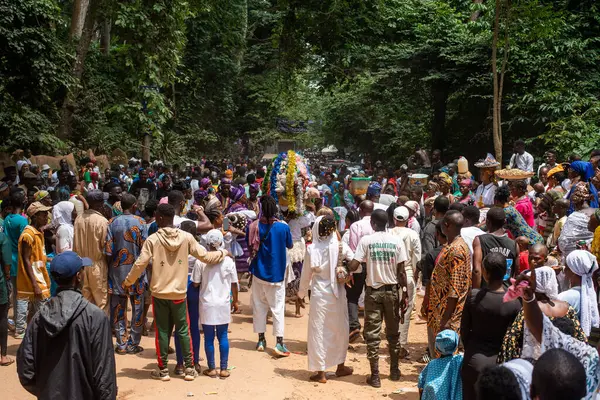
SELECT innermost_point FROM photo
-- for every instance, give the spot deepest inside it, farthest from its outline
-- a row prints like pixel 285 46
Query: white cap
pixel 401 213
pixel 412 205
pixel 45 167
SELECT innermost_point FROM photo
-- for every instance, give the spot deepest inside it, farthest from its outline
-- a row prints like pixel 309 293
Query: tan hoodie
pixel 168 249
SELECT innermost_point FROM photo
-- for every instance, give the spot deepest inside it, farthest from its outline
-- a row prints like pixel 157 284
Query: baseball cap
pixel 37 207
pixel 67 264
pixel 401 213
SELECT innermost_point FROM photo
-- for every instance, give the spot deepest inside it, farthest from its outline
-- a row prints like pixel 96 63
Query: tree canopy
pixel 204 76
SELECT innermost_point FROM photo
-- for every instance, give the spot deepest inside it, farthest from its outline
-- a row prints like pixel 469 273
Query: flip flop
pixel 6 364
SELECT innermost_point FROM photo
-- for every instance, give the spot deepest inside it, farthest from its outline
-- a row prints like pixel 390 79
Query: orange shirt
pixel 35 240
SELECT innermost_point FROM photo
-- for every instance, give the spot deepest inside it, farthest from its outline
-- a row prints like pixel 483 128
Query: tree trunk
pixel 503 70
pixel 146 146
pixel 496 133
pixel 440 93
pixel 68 107
pixel 105 36
pixel 80 8
pixel 476 14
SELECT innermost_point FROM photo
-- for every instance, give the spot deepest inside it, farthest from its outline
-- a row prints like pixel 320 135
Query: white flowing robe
pixel 328 318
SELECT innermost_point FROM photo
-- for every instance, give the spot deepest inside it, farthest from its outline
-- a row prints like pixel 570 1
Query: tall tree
pixel 83 45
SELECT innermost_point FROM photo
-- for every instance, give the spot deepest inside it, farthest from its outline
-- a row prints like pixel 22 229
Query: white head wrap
pixel 321 248
pixel 414 206
pixel 546 283
pixel 584 263
pixel 522 370
pixel 214 238
pixel 62 213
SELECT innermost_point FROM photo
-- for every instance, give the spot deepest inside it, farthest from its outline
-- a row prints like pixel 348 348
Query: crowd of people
pixel 506 266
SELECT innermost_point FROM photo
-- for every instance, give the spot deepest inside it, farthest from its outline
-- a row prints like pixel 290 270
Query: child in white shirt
pixel 216 282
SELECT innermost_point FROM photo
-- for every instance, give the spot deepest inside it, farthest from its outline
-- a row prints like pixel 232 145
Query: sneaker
pixel 179 370
pixel 190 374
pixel 161 375
pixel 11 325
pixel 19 336
pixel 261 345
pixel 281 350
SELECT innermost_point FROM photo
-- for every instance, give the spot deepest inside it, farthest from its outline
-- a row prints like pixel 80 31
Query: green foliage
pixel 379 77
pixel 33 68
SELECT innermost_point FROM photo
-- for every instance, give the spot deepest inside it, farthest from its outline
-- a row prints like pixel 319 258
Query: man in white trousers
pixel 269 240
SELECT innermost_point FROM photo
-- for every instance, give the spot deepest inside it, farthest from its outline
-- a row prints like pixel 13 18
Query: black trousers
pixel 3 328
pixel 352 295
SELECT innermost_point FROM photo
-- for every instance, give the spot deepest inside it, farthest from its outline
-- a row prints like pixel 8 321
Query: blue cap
pixel 67 264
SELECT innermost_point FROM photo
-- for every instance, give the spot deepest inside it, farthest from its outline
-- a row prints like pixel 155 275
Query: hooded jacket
pixel 168 249
pixel 67 351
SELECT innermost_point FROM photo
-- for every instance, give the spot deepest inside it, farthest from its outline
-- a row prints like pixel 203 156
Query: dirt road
pixel 254 375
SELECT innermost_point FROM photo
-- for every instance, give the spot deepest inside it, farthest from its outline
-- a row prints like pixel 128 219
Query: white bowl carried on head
pixel 418 179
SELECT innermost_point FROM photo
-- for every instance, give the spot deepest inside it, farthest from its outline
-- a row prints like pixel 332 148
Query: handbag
pixel 341 270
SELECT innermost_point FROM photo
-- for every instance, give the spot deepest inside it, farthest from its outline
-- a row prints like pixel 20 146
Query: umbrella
pixel 330 150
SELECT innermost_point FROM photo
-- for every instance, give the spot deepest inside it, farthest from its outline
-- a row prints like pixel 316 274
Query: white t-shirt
pixel 412 241
pixel 64 238
pixel 297 224
pixel 215 287
pixel 469 234
pixel 382 252
pixel 178 219
pixel 486 194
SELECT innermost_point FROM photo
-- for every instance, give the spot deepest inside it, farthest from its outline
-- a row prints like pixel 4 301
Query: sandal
pixel 354 335
pixel 9 362
pixel 223 374
pixel 134 349
pixel 211 373
pixel 318 378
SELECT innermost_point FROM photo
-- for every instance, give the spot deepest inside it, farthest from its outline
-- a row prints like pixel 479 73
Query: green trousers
pixel 169 314
pixel 382 305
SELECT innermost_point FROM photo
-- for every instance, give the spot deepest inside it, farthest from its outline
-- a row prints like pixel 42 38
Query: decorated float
pixel 286 179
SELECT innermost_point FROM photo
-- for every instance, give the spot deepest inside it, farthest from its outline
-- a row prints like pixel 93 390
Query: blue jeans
pixel 209 344
pixel 193 300
pixel 20 308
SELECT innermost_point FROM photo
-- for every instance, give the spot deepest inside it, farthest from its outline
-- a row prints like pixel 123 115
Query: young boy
pixel 441 377
pixel 216 282
pixel 523 244
pixel 560 209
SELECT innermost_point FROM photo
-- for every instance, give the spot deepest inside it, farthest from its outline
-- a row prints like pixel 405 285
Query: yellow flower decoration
pixel 290 180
